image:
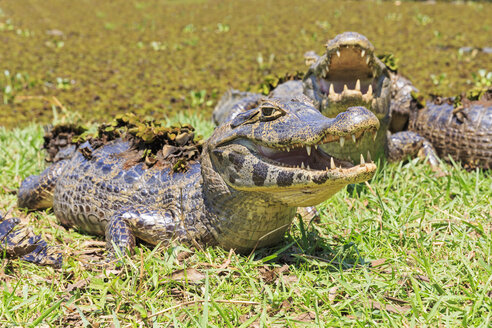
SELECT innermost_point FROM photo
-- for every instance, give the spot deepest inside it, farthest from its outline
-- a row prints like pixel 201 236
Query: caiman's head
pixel 349 74
pixel 274 148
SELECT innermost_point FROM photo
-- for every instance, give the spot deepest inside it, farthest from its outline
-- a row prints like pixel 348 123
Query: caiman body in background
pixel 350 74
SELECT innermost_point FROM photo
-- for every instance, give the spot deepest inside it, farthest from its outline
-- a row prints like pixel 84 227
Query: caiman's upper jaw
pixel 349 72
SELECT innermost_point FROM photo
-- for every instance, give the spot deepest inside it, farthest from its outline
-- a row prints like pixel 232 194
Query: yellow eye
pixel 267 111
pixel 270 112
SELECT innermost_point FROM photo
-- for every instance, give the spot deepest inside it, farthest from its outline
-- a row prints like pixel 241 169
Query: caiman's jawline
pixel 350 72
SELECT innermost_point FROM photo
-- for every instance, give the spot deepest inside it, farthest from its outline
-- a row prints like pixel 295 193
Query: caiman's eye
pixel 270 112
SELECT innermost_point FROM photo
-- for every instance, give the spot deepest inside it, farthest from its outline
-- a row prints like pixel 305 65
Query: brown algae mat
pixel 157 57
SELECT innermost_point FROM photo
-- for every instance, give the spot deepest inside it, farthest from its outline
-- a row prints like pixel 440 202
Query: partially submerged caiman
pixel 254 171
pixel 350 74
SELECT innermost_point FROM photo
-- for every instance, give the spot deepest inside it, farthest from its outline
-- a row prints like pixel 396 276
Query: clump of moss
pixel 152 143
pixel 60 136
pixel 418 99
pixel 390 60
pixel 156 144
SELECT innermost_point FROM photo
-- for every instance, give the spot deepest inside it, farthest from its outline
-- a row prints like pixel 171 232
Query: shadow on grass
pixel 305 245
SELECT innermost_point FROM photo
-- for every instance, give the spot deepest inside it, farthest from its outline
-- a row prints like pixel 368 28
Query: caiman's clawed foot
pixel 19 241
pixel 406 144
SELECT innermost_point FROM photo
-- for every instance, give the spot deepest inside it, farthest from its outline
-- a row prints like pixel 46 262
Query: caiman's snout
pixel 356 120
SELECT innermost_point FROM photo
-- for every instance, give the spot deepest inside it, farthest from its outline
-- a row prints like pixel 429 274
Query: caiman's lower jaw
pixel 349 74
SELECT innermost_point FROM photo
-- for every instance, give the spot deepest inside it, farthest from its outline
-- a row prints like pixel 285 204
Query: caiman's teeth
pixel 332 90
pixel 367 60
pixel 374 135
pixel 362 53
pixel 342 141
pixel 369 156
pixel 353 138
pixel 288 149
pixel 338 53
pixel 362 159
pixel 315 146
pixel 302 165
pixel 308 149
pixel 345 88
pixel 332 164
pixel 357 85
pixel 308 167
pixel 369 90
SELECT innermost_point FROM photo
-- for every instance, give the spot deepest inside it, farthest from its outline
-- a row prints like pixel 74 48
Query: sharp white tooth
pixel 342 141
pixel 362 161
pixel 362 53
pixel 302 165
pixel 353 138
pixel 338 53
pixel 357 85
pixel 367 60
pixel 332 163
pixel 308 149
pixel 315 146
pixel 332 89
pixel 374 135
pixel 369 156
pixel 369 90
pixel 288 148
pixel 308 167
pixel 345 88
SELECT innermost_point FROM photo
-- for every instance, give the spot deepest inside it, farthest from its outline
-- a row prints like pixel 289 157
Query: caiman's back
pixel 91 191
pixel 465 134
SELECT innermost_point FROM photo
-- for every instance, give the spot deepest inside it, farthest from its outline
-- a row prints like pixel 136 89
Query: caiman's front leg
pixel 36 191
pixel 152 226
pixel 408 143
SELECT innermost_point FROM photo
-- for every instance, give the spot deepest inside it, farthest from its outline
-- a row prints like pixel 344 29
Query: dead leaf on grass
pixel 390 308
pixel 377 263
pixel 306 317
pixel 183 255
pixel 269 275
pixel 396 300
pixel 332 293
pixel 290 278
pixel 189 275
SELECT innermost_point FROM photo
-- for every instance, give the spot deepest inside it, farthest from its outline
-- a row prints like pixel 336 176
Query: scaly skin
pixel 243 194
pixel 19 241
pixel 463 133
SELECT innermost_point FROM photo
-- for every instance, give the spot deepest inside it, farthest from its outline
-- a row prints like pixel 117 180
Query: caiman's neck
pixel 243 220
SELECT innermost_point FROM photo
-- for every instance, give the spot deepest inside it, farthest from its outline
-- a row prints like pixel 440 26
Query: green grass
pixel 412 248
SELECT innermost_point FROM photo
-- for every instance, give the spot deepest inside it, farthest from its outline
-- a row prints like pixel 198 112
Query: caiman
pixel 348 74
pixel 254 171
pixel 458 127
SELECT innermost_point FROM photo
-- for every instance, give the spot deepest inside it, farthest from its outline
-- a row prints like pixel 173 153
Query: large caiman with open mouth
pixel 254 171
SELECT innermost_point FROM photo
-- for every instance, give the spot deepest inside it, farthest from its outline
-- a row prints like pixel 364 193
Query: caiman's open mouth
pixel 349 72
pixel 309 157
